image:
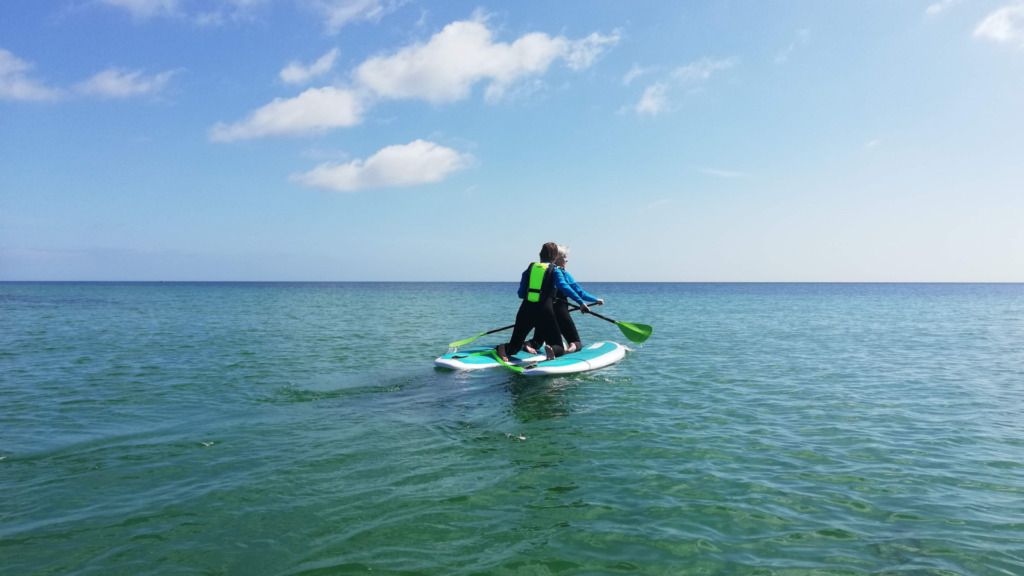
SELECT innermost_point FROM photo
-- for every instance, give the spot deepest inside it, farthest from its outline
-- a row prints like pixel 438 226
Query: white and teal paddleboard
pixel 465 359
pixel 592 357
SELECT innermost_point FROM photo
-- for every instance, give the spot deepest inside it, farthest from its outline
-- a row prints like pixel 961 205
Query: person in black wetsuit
pixel 537 289
pixel 566 325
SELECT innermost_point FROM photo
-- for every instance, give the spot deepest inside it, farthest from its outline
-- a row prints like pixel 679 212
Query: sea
pixel 303 429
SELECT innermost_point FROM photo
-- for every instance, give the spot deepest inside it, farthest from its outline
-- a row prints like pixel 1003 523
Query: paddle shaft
pixel 513 325
pixel 498 329
pixel 574 307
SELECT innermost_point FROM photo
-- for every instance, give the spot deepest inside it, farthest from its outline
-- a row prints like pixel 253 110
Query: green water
pixel 302 429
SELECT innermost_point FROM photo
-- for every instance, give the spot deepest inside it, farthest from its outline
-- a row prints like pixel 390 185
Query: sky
pixel 405 140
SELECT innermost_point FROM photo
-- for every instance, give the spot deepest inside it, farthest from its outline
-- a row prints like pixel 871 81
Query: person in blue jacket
pixel 539 284
pixel 566 325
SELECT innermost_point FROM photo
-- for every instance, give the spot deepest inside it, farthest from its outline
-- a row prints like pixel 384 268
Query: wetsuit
pixel 536 311
pixel 564 290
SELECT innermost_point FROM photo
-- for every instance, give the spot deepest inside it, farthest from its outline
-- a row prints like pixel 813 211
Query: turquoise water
pixel 302 429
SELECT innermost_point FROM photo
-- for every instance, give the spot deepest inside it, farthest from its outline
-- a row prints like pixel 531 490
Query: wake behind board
pixel 465 360
pixel 592 357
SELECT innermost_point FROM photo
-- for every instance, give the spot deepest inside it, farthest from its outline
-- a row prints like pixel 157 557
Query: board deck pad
pixel 464 359
pixel 593 356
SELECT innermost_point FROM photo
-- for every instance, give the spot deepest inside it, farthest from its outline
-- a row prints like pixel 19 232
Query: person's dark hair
pixel 548 252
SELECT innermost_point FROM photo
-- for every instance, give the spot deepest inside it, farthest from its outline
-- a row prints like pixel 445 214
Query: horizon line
pixel 506 282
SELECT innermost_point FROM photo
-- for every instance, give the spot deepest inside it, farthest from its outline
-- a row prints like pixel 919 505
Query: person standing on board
pixel 537 288
pixel 566 325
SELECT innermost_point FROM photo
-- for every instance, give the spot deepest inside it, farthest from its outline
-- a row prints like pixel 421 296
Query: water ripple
pixel 301 429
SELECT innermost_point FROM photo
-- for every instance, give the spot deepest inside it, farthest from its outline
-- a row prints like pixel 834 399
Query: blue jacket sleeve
pixel 524 283
pixel 566 287
pixel 576 287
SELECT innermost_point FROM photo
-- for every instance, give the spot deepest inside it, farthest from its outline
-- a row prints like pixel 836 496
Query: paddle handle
pixel 574 307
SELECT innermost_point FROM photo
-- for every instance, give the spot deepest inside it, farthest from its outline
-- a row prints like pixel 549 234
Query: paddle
pixel 635 332
pixel 468 340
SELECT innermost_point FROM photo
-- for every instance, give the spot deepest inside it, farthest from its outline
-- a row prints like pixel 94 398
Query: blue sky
pixel 407 140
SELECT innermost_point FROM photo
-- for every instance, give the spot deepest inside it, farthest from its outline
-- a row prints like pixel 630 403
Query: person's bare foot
pixel 529 349
pixel 549 352
pixel 571 348
pixel 501 352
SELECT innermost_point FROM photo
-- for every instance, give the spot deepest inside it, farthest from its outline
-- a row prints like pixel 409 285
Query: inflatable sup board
pixel 592 357
pixel 464 359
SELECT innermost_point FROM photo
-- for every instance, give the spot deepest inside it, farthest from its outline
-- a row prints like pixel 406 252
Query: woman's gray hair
pixel 563 251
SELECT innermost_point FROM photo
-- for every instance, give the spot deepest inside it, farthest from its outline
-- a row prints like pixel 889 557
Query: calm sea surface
pixel 764 429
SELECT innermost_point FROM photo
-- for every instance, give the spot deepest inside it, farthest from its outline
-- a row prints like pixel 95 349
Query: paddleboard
pixel 465 360
pixel 592 357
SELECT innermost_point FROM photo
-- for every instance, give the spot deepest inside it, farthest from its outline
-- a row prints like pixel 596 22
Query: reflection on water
pixel 541 398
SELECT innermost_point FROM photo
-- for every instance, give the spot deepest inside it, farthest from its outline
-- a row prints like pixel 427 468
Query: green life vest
pixel 537 272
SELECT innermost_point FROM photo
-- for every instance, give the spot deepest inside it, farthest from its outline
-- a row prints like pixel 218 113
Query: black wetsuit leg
pixel 536 343
pixel 566 325
pixel 526 319
pixel 547 328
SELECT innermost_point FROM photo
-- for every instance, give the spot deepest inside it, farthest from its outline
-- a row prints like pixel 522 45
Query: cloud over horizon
pixel 315 110
pixel 446 68
pixel 442 70
pixel 419 162
pixel 335 14
pixel 941 6
pixel 655 98
pixel 119 83
pixel 1005 25
pixel 339 13
pixel 296 73
pixel 143 9
pixel 15 83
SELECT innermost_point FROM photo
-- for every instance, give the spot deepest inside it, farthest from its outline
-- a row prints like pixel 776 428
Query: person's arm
pixel 576 287
pixel 524 283
pixel 567 290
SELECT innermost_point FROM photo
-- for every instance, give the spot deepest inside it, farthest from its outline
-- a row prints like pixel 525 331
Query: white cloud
pixel 654 101
pixel 635 72
pixel 204 13
pixel 464 53
pixel 655 98
pixel 296 73
pixel 418 162
pixel 941 6
pixel 115 83
pixel 702 69
pixel 228 11
pixel 15 84
pixel 1005 25
pixel 145 8
pixel 581 54
pixel 338 13
pixel 315 110
pixel 444 69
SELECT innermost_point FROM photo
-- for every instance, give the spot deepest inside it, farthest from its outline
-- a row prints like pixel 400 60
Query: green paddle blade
pixel 635 332
pixel 466 341
pixel 494 354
